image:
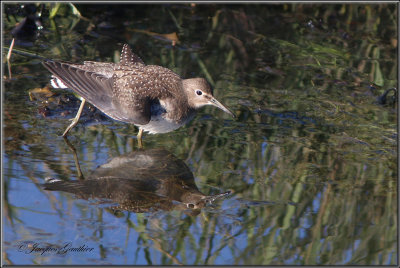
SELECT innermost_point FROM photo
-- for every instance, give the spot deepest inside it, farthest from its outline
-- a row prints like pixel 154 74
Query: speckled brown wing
pixel 137 87
pixel 129 58
pixel 95 87
pixel 103 68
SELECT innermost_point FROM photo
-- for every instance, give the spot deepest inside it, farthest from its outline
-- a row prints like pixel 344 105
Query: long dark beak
pixel 216 103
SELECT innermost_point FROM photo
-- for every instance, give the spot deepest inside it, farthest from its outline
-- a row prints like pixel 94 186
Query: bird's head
pixel 200 93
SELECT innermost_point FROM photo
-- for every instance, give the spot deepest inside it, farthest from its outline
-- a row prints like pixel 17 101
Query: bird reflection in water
pixel 140 181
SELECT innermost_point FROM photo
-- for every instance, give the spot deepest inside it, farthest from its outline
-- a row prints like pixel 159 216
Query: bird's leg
pixel 139 138
pixel 76 119
pixel 9 57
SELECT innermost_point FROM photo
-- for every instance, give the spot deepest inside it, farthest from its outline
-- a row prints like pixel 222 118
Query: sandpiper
pixel 154 98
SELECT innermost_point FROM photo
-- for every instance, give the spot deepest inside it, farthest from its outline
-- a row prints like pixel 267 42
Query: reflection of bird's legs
pixel 139 138
pixel 78 167
pixel 76 119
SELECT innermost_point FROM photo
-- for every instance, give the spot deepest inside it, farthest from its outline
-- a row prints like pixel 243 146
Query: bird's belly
pixel 158 124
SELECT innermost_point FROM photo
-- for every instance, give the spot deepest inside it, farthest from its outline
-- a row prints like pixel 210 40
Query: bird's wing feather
pixel 138 88
pixel 93 87
pixel 129 58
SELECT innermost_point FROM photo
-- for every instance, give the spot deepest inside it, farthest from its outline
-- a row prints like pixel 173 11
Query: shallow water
pixel 310 160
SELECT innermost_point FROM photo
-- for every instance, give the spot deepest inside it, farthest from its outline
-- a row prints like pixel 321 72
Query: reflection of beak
pixel 212 198
pixel 216 103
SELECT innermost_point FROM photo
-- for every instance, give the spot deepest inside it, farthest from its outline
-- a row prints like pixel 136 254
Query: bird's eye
pixel 199 92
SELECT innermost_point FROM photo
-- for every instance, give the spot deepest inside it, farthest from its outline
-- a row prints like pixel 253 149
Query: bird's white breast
pixel 159 124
